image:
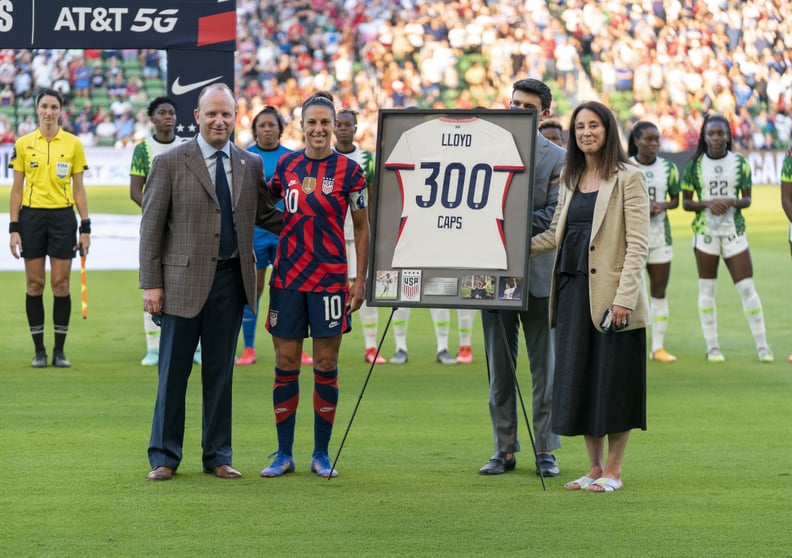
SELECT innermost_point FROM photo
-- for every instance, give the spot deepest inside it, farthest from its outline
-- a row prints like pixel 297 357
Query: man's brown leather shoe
pixel 224 472
pixel 160 473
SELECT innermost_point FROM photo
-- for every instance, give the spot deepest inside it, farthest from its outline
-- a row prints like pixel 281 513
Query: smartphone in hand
pixel 607 321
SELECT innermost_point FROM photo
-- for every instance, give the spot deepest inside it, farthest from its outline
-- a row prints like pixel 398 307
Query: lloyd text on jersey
pixel 456 140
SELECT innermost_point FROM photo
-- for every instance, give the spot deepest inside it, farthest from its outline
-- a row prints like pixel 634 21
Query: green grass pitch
pixel 710 476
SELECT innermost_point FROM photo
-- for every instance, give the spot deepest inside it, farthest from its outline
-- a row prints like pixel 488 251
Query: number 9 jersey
pixel 454 176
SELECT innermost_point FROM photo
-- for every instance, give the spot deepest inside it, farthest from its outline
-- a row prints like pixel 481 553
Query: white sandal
pixel 582 483
pixel 606 483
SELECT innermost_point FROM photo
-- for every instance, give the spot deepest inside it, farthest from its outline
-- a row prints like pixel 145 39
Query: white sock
pixel 752 307
pixel 659 322
pixel 465 319
pixel 401 318
pixel 152 333
pixel 368 322
pixel 707 313
pixel 442 321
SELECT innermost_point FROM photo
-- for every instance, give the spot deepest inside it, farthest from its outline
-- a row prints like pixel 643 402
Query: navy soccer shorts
pixel 292 314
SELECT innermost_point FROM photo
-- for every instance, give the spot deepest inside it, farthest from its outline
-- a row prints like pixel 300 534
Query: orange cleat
pixel 306 359
pixel 661 355
pixel 372 356
pixel 248 357
pixel 465 355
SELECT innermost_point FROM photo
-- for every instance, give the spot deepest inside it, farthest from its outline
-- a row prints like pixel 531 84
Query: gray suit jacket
pixel 180 228
pixel 548 163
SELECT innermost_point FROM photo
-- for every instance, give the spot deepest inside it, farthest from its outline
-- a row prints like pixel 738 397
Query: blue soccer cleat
pixel 320 464
pixel 283 464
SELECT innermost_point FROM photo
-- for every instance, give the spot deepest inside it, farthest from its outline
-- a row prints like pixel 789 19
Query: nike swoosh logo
pixel 179 89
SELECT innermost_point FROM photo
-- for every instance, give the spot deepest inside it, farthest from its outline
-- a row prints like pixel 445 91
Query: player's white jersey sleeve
pixel 454 176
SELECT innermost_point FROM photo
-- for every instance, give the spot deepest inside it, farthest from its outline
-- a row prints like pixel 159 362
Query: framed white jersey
pixel 454 175
pixel 452 207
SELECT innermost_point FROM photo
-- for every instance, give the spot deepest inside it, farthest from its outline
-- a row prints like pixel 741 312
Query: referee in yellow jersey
pixel 48 169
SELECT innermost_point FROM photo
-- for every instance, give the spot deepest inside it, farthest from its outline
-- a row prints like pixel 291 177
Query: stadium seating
pixel 650 53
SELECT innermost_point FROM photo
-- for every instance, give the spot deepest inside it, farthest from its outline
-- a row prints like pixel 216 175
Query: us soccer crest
pixel 327 185
pixel 309 184
pixel 273 317
pixel 410 285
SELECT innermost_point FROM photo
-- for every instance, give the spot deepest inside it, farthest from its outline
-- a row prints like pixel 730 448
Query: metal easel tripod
pixel 513 367
pixel 363 389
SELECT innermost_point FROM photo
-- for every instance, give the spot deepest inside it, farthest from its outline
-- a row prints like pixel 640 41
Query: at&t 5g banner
pixel 161 24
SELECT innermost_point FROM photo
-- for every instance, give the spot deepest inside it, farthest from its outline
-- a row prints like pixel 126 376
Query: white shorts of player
pixel 660 255
pixel 726 246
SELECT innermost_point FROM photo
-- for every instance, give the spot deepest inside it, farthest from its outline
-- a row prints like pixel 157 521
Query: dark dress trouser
pixel 217 327
pixel 503 393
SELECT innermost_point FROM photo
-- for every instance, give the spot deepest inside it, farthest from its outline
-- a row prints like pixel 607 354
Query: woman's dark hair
pixel 47 92
pixel 612 156
pixel 324 98
pixel 274 112
pixel 635 135
pixel 701 146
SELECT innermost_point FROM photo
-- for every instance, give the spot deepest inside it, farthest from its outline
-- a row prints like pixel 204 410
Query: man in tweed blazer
pixel 197 293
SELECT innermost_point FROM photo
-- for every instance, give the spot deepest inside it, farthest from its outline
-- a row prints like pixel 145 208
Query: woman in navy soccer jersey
pixel 662 179
pixel 309 288
pixel 721 180
pixel 48 168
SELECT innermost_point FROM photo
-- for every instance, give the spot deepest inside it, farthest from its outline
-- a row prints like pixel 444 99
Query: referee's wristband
pixel 85 226
pixel 13 227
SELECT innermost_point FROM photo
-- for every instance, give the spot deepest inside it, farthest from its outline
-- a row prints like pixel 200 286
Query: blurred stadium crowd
pixel 669 61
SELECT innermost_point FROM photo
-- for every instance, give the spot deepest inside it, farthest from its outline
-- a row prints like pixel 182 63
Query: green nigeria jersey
pixel 786 169
pixel 662 181
pixel 366 161
pixel 718 178
pixel 145 152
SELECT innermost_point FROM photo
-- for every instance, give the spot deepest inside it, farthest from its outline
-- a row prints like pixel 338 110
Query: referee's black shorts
pixel 48 232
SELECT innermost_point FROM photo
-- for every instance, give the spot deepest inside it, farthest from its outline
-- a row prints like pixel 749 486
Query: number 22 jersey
pixel 718 178
pixel 454 176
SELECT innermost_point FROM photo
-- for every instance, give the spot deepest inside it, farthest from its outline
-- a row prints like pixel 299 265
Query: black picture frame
pixel 440 284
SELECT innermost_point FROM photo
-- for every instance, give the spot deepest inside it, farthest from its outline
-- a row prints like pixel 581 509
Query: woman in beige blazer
pixel 598 303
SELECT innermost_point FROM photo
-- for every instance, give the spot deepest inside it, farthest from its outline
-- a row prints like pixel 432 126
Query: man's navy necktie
pixel 227 237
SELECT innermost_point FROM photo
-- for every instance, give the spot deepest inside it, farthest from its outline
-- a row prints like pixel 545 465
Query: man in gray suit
pixel 197 271
pixel 502 351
